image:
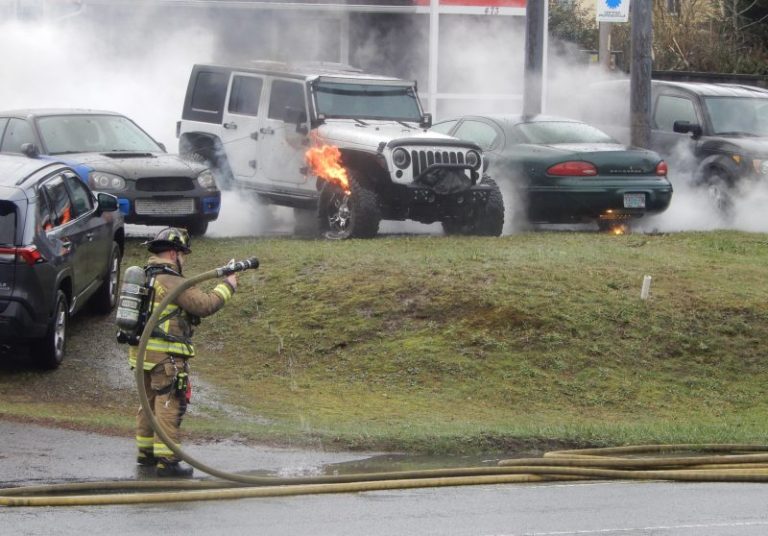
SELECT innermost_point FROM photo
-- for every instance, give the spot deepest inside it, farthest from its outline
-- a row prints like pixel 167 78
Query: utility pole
pixel 604 45
pixel 535 29
pixel 641 18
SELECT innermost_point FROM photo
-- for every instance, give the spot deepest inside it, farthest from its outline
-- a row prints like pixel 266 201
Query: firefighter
pixel 166 364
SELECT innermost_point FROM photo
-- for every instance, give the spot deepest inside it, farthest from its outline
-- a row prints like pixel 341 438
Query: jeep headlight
pixel 473 159
pixel 401 158
pixel 101 180
pixel 206 180
pixel 761 166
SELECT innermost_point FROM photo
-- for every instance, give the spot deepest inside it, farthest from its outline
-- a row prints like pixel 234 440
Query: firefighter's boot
pixel 146 458
pixel 172 468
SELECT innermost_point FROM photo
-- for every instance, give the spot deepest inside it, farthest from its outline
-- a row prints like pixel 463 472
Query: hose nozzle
pixel 238 266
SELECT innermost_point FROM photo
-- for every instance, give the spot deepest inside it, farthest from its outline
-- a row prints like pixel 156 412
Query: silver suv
pixel 258 126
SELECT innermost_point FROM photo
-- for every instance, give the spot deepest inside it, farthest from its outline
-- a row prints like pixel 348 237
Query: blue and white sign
pixel 612 10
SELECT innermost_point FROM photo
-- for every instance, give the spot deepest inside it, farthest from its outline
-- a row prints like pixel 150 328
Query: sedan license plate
pixel 634 200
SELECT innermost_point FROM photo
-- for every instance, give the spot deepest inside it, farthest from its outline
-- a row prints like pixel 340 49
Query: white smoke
pixel 87 61
pixel 49 64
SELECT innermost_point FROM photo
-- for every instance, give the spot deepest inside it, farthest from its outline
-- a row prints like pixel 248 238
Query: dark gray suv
pixel 60 249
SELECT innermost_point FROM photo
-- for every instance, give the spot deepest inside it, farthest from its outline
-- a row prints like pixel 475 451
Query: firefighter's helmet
pixel 170 238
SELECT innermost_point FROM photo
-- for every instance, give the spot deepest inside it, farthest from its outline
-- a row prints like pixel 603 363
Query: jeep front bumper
pixel 424 205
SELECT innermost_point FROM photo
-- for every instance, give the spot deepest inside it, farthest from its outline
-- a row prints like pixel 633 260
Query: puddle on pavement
pixel 405 462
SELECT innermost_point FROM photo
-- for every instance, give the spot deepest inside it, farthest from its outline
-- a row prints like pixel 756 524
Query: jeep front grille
pixel 423 159
pixel 165 184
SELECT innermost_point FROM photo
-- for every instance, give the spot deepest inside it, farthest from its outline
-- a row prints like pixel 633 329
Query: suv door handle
pixel 267 130
pixel 231 126
pixel 89 236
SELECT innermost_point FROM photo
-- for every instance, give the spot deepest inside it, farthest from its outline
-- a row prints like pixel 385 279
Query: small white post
pixel 646 288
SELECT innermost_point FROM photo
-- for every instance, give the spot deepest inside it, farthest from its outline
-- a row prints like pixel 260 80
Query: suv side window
pixel 285 95
pixel 245 95
pixel 59 197
pixel 3 122
pixel 81 198
pixel 17 134
pixel 208 94
pixel 45 216
pixel 670 109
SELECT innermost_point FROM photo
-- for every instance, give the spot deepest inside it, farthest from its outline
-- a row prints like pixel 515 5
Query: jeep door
pixel 284 133
pixel 241 123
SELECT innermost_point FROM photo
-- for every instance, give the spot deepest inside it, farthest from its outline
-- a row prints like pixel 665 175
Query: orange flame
pixel 325 162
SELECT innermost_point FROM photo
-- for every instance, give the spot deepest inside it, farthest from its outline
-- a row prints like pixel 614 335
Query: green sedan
pixel 565 171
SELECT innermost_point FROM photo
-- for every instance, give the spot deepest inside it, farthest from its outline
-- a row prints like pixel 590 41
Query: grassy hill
pixel 444 344
pixel 436 343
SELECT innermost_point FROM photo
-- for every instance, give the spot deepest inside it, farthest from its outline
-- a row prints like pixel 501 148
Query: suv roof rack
pixel 310 65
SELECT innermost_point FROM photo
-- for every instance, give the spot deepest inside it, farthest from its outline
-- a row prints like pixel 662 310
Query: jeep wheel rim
pixel 339 215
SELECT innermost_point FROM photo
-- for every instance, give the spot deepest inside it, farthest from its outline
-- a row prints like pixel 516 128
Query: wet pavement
pixel 34 454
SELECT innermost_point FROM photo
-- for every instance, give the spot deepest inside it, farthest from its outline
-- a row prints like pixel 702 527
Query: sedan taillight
pixel 576 168
pixel 28 254
pixel 661 169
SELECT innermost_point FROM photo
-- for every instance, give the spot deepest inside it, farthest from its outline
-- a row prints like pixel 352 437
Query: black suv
pixel 112 154
pixel 60 248
pixel 719 132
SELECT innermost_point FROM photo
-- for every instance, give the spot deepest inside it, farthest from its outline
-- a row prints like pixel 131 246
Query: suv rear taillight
pixel 662 169
pixel 28 254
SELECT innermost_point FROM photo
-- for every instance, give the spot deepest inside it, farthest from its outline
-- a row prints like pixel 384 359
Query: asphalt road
pixel 31 454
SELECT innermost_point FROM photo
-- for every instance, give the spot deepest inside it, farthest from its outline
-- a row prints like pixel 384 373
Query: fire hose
pixel 707 463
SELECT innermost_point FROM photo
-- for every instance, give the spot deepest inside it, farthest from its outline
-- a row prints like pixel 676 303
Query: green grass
pixel 438 344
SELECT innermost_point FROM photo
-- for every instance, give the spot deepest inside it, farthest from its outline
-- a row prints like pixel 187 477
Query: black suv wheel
pixel 48 352
pixel 105 298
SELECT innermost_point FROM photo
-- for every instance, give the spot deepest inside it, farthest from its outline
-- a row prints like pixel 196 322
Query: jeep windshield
pixel 738 116
pixel 66 134
pixel 367 101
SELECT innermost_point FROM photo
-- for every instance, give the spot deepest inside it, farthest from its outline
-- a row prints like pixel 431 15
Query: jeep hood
pixel 137 165
pixel 368 136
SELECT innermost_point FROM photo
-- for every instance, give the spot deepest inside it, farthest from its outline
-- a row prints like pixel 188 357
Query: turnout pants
pixel 168 405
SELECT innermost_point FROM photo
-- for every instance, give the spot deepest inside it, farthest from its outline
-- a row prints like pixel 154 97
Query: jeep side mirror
pixel 106 202
pixel 297 116
pixel 30 150
pixel 426 121
pixel 684 127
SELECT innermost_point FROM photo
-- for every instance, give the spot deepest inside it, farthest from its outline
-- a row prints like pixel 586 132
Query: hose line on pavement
pixel 704 463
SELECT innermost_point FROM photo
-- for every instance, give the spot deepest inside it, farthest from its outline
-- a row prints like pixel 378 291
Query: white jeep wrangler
pixel 254 126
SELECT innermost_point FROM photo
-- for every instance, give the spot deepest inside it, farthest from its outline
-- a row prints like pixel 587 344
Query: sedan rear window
pixel 552 132
pixel 7 223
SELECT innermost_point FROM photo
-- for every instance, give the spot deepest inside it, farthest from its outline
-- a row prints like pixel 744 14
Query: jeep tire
pixel 353 215
pixel 487 221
